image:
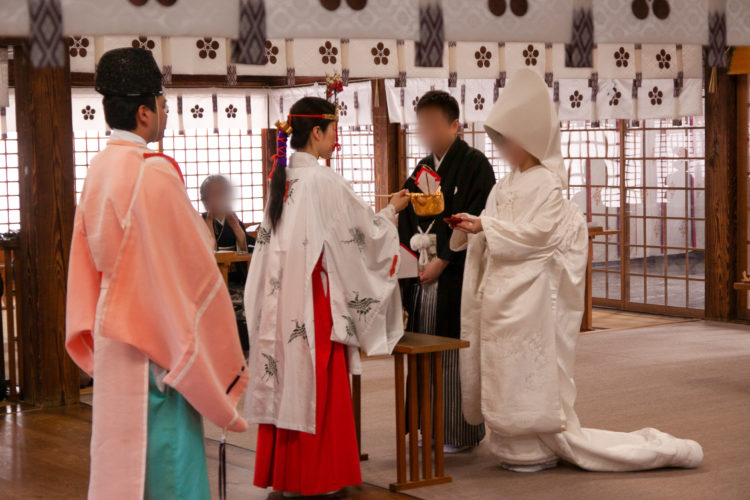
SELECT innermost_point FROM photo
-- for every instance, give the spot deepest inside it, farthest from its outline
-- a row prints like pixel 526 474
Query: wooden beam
pixel 721 197
pixel 200 81
pixel 47 203
pixel 385 144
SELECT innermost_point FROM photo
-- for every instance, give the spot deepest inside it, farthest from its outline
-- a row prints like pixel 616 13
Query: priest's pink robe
pixel 143 285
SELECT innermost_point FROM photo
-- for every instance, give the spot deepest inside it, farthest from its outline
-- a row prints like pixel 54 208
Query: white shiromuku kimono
pixel 522 305
pixel 322 214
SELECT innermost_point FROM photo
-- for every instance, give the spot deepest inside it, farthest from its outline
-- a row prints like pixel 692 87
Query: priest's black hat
pixel 128 72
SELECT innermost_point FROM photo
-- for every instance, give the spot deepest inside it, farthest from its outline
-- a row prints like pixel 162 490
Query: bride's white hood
pixel 526 114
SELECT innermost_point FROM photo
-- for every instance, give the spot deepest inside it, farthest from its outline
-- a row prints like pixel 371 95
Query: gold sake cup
pixel 426 205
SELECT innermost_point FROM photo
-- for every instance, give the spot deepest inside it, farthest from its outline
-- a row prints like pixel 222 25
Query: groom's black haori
pixel 466 181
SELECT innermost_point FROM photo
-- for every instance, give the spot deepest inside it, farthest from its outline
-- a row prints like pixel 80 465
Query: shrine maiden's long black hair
pixel 301 128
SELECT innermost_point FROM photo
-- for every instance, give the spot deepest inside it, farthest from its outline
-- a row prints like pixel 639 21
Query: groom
pixel 466 181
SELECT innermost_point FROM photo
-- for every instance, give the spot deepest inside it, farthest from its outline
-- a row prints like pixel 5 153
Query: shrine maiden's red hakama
pixel 323 284
pixel 328 460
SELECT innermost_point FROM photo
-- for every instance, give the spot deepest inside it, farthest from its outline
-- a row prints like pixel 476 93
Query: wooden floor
pixel 691 379
pixel 45 454
pixel 612 320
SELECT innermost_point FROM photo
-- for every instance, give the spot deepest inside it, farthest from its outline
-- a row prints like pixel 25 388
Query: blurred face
pixel 513 153
pixel 435 130
pixel 151 122
pixel 218 199
pixel 324 140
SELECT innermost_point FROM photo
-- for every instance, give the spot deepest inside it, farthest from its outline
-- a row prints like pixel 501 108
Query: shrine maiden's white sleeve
pixel 362 251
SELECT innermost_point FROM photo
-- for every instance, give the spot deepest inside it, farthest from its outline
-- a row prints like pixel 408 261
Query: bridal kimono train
pixel 321 286
pixel 522 306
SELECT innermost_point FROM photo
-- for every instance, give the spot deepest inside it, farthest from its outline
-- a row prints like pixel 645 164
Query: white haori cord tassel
pixel 425 244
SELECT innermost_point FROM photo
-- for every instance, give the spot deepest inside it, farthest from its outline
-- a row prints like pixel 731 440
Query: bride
pixel 522 303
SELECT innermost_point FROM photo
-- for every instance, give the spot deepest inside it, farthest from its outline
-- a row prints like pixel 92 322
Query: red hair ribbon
pixel 285 128
pixel 283 131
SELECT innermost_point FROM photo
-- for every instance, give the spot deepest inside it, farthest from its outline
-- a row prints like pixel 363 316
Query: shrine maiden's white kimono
pixel 321 214
pixel 522 305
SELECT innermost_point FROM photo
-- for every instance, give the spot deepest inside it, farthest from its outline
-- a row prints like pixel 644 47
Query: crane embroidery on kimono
pixel 271 368
pixel 275 285
pixel 264 237
pixel 362 306
pixel 358 238
pixel 290 189
pixel 351 327
pixel 299 331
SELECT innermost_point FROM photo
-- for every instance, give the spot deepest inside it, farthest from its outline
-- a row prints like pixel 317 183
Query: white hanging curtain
pixel 738 22
pixel 479 98
pixel 483 42
pixel 3 78
pixel 683 22
pixel 8 116
pixel 87 110
pixel 616 87
pixel 544 21
pixel 614 99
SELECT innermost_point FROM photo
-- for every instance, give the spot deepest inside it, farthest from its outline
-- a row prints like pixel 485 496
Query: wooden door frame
pixel 743 160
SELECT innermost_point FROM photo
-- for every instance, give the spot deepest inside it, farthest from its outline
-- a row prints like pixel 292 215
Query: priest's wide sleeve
pixel 171 303
pixel 83 295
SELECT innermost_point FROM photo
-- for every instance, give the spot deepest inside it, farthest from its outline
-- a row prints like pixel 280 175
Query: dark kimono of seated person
pixel 229 234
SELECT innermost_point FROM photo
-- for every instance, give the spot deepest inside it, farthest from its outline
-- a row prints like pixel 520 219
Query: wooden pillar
pixel 47 202
pixel 385 144
pixel 743 164
pixel 721 197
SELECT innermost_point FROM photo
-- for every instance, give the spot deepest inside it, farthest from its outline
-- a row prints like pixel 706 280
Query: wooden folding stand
pixel 587 319
pixel 424 354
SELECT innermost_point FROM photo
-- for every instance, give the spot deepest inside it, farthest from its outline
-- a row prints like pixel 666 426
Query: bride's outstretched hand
pixel 469 223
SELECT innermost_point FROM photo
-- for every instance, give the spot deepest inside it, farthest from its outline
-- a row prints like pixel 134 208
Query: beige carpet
pixel 689 379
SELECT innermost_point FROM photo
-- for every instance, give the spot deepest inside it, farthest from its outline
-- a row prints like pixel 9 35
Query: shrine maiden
pixel 523 303
pixel 153 324
pixel 322 285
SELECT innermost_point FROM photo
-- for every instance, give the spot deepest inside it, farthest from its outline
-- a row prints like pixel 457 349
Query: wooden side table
pixel 225 259
pixel 424 354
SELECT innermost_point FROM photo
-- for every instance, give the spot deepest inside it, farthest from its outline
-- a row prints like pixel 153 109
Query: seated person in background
pixel 227 228
pixel 229 234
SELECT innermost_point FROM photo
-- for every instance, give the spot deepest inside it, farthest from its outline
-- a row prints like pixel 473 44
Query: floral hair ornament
pixel 334 85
